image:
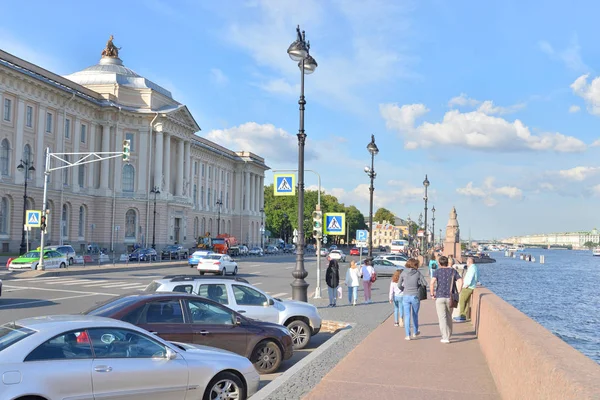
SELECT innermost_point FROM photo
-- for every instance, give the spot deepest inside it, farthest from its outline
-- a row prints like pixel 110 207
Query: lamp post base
pixel 22 249
pixel 300 290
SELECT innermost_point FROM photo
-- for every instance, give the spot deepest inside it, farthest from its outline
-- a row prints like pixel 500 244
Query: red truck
pixel 225 244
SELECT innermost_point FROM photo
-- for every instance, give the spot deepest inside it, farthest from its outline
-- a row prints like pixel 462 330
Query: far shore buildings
pixel 575 239
pixel 110 203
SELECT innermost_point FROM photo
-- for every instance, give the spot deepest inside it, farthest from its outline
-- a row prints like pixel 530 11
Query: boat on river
pixel 516 248
pixel 596 252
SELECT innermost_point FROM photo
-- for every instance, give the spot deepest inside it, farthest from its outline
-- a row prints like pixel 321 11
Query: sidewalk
pixel 385 366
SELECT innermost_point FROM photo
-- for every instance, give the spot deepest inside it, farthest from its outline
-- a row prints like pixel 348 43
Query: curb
pixel 282 379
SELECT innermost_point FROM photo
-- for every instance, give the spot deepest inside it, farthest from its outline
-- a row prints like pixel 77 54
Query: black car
pixel 147 254
pixel 383 248
pixel 174 252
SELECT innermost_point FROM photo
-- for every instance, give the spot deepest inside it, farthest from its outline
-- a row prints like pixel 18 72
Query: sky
pixel 498 102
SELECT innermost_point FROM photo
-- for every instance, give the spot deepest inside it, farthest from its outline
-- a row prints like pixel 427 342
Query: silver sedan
pixel 85 357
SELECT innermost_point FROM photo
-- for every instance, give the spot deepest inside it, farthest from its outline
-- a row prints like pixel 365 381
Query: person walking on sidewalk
pixel 332 278
pixel 433 265
pixel 446 280
pixel 409 284
pixel 352 281
pixel 368 277
pixel 469 284
pixel 396 299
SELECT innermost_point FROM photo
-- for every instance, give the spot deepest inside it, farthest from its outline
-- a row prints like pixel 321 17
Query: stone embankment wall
pixel 526 360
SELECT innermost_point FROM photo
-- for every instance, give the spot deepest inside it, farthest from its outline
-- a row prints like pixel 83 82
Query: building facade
pixel 384 232
pixel 203 187
pixel 575 239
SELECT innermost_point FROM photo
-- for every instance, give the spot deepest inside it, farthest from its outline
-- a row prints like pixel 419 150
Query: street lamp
pixel 26 167
pixel 155 191
pixel 426 185
pixel 262 227
pixel 433 226
pixel 409 231
pixel 219 203
pixel 372 147
pixel 299 51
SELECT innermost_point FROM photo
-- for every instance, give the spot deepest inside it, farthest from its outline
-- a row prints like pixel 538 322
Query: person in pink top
pixel 368 276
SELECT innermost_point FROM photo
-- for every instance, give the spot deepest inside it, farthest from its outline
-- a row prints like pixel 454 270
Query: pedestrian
pixel 433 265
pixel 409 284
pixel 446 281
pixel 352 281
pixel 368 277
pixel 469 284
pixel 396 299
pixel 332 278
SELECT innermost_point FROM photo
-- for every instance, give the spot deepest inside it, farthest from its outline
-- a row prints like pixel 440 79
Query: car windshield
pixel 199 253
pixel 109 307
pixel 32 254
pixel 213 257
pixel 171 248
pixel 11 333
pixel 153 287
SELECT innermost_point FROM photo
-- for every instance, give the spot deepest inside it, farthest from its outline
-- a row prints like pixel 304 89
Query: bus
pixel 399 246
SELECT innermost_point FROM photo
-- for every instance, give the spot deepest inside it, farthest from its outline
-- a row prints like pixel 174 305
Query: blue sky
pixel 496 101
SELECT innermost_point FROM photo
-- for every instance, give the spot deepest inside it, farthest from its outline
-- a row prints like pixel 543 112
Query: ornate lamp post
pixel 433 226
pixel 372 147
pixel 220 204
pixel 155 191
pixel 26 167
pixel 426 185
pixel 299 52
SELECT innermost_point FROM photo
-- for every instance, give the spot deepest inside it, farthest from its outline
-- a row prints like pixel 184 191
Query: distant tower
pixel 452 241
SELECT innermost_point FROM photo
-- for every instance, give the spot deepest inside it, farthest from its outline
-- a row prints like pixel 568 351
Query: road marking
pixel 13 290
pixel 289 267
pixel 67 281
pixel 255 265
pixel 276 295
pixel 43 301
pixel 103 284
pixel 256 272
pixel 257 283
pixel 43 278
pixel 133 286
pixel 60 290
pixel 121 285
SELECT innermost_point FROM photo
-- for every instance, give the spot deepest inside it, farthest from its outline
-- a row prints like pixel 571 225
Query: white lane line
pixel 13 290
pixel 255 265
pixel 96 283
pixel 67 281
pixel 135 286
pixel 120 285
pixel 257 283
pixel 289 267
pixel 59 290
pixel 43 278
pixel 44 301
pixel 80 282
pixel 255 272
pixel 276 295
pixel 102 284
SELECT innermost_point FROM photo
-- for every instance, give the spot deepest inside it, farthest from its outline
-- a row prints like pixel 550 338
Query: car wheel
pixel 71 261
pixel 266 357
pixel 63 265
pixel 201 273
pixel 300 334
pixel 225 385
pixel 235 270
pixel 224 272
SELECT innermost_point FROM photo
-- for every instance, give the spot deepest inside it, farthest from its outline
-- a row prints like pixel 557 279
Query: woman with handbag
pixel 444 288
pixel 409 283
pixel 352 281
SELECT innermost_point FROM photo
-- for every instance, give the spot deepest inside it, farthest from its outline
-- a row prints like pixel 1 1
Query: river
pixel 563 295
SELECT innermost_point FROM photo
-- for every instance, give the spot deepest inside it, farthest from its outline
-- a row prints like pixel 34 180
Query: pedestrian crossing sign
pixel 335 224
pixel 34 218
pixel 284 184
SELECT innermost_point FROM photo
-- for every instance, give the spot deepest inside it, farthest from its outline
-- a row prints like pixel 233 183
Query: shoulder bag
pixel 373 276
pixel 422 287
pixel 453 292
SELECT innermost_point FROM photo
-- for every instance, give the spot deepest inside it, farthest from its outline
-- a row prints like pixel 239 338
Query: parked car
pixel 0 287
pixel 174 252
pixel 82 356
pixel 396 259
pixel 332 247
pixel 337 255
pixel 354 251
pixel 385 267
pixel 243 249
pixel 302 319
pixel 256 251
pixel 324 252
pixel 219 264
pixel 197 256
pixel 365 251
pixel 289 248
pixel 192 319
pixel 147 254
pixel 30 260
pixel 271 250
pixel 383 249
pixel 67 250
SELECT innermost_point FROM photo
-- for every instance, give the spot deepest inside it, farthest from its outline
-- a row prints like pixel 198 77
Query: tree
pixel 590 245
pixel 383 214
pixel 355 221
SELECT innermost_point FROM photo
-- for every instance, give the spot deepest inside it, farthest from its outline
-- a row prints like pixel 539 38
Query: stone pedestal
pixel 452 249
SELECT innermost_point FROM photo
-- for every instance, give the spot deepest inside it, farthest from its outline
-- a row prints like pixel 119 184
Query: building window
pixel 130 223
pixel 195 195
pixel 65 221
pixel 202 198
pixel 203 170
pixel 7 109
pixel 81 230
pixel 128 178
pixel 4 213
pixel 27 158
pixel 83 132
pixel 81 177
pixel 67 128
pixel 209 202
pixel 48 123
pixel 209 172
pixel 203 227
pixel 66 172
pixel 129 136
pixel 4 156
pixel 29 117
pixel 196 228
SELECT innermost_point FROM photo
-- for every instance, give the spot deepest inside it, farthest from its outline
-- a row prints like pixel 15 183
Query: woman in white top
pixel 366 272
pixel 396 299
pixel 352 281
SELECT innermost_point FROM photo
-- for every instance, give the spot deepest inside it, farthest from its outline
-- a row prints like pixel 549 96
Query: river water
pixel 563 295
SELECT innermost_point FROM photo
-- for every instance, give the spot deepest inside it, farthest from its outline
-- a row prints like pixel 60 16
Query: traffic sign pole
pixel 318 288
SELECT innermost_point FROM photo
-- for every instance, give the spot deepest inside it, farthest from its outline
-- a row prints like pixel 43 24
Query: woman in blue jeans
pixel 396 299
pixel 409 284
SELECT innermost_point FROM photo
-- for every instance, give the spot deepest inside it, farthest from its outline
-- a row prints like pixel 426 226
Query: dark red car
pixel 354 251
pixel 180 317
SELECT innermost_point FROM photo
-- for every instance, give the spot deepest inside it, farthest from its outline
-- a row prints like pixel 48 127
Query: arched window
pixel 81 230
pixel 196 228
pixel 130 223
pixel 4 157
pixel 128 178
pixel 203 227
pixel 65 221
pixel 4 214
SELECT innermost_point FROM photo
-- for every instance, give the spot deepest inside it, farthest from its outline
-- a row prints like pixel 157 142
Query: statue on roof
pixel 111 50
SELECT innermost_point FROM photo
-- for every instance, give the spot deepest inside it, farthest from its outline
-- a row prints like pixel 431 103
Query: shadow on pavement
pixel 15 304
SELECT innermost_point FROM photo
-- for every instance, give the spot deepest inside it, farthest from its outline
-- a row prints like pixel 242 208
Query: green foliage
pixel 383 214
pixel 591 245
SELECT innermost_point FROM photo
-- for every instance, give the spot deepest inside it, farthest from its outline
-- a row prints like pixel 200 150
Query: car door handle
pixel 153 332
pixel 103 368
pixel 204 333
pixel 241 311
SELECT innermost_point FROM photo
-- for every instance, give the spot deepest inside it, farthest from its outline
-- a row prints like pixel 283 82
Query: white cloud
pixel 590 92
pixel 218 77
pixel 475 130
pixel 570 56
pixel 488 107
pixel 463 100
pixel 596 143
pixel 488 192
pixel 574 109
pixel 280 86
pixel 266 140
pixel 595 190
pixel 578 173
pixel 390 196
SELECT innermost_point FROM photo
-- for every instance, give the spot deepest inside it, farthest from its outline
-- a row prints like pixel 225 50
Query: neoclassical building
pixel 110 203
pixel 575 239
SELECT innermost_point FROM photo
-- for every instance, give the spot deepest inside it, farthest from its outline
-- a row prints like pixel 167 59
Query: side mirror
pixel 170 355
pixel 238 320
pixel 268 303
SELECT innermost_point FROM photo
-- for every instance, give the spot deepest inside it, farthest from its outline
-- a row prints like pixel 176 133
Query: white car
pixel 396 259
pixel 256 251
pixel 219 264
pixel 337 255
pixel 67 250
pixel 324 252
pixel 302 319
pixel 87 357
pixel 244 250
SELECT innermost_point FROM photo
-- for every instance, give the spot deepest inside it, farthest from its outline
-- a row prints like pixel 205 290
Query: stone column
pixel 167 162
pixel 20 134
pixel 105 167
pixel 74 171
pixel 143 157
pixel 118 163
pixel 180 169
pixel 261 202
pixel 159 143
pixel 247 190
pixel 91 168
pixel 188 169
pixel 40 148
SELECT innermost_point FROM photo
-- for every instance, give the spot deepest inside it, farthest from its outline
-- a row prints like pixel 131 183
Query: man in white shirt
pixel 469 284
